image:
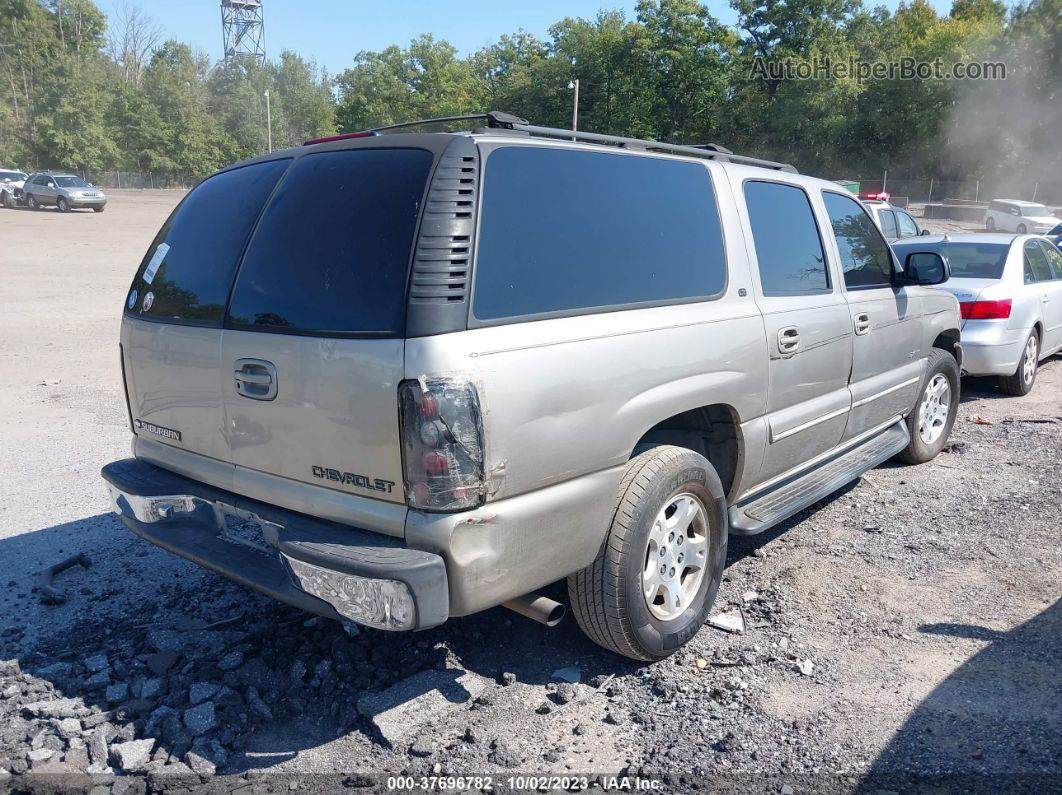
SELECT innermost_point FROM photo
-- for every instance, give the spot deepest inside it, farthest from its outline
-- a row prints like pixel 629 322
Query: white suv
pixel 1007 215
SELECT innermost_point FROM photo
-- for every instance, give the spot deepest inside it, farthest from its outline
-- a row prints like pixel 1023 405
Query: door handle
pixel 255 379
pixel 862 324
pixel 788 339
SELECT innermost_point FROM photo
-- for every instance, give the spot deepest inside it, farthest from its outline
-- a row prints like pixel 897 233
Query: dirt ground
pixel 904 635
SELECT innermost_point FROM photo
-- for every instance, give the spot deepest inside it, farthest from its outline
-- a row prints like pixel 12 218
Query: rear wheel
pixel 659 568
pixel 1021 382
pixel 934 414
pixel 990 224
pixel 63 205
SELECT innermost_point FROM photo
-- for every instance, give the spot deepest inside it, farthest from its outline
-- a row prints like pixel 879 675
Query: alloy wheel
pixel 936 405
pixel 1029 360
pixel 676 555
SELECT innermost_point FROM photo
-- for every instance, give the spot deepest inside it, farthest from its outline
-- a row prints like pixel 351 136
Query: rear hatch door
pixel 312 353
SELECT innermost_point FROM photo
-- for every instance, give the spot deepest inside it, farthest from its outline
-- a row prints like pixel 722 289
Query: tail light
pixel 442 444
pixel 985 310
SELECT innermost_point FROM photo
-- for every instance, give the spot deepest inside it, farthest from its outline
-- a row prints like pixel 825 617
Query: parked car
pixel 1009 215
pixel 516 358
pixel 1055 236
pixel 894 222
pixel 65 191
pixel 10 181
pixel 1010 291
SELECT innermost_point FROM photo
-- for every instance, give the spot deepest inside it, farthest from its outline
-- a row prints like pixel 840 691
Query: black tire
pixel 606 596
pixel 1019 383
pixel 33 204
pixel 1023 229
pixel 918 450
pixel 62 204
pixel 98 209
pixel 8 201
pixel 990 224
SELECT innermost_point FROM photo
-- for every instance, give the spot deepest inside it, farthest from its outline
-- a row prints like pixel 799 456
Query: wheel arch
pixel 713 430
pixel 949 340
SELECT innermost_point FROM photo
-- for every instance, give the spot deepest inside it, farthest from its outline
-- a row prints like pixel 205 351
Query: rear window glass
pixel 971 260
pixel 331 255
pixel 564 231
pixel 186 274
pixel 788 246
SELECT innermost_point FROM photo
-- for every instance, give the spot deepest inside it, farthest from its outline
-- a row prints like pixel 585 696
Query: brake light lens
pixel 442 444
pixel 985 310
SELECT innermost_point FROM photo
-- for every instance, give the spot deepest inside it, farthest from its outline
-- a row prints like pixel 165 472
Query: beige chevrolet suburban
pixel 437 372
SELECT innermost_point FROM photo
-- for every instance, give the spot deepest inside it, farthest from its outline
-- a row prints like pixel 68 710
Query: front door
pixel 806 318
pixel 885 318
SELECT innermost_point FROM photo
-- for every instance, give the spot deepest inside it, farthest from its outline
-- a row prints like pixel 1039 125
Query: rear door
pixel 1040 282
pixel 1055 302
pixel 313 348
pixel 885 319
pixel 171 332
pixel 809 332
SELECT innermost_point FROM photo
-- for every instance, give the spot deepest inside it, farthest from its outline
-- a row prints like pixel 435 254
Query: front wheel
pixel 934 414
pixel 32 203
pixel 8 202
pixel 990 224
pixel 97 209
pixel 63 205
pixel 658 570
pixel 1022 229
pixel 1021 382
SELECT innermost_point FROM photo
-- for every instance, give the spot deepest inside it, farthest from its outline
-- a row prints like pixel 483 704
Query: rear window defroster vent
pixel 442 260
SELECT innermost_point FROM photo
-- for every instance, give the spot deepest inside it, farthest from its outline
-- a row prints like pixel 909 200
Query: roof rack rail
pixel 507 121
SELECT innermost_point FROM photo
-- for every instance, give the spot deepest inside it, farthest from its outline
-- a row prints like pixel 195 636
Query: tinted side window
pixel 888 224
pixel 563 231
pixel 332 252
pixel 186 274
pixel 788 246
pixel 1054 256
pixel 865 256
pixel 908 228
pixel 1037 268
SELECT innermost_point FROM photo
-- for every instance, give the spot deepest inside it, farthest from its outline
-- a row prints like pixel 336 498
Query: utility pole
pixel 269 122
pixel 575 106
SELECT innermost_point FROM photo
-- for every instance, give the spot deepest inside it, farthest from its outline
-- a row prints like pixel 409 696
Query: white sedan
pixel 1010 296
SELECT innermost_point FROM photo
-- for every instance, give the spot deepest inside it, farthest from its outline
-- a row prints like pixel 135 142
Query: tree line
pixel 90 93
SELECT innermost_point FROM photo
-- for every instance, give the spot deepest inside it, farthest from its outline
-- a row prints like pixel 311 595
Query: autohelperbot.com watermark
pixel 905 68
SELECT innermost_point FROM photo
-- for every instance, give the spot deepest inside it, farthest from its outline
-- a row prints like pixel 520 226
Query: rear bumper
pixel 325 568
pixel 989 348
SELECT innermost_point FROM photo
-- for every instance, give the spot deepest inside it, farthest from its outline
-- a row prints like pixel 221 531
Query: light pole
pixel 269 122
pixel 575 106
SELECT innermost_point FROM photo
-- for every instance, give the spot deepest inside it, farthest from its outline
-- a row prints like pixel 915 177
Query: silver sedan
pixel 1010 296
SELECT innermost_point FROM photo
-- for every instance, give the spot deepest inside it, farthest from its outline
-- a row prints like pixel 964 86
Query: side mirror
pixel 926 268
pixel 925 232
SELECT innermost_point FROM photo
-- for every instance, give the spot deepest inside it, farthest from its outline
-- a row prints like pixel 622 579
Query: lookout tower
pixel 243 26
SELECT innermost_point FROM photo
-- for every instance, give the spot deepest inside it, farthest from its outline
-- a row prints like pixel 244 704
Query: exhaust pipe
pixel 538 608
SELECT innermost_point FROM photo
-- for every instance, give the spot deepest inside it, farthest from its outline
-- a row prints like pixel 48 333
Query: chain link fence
pixel 141 180
pixel 924 191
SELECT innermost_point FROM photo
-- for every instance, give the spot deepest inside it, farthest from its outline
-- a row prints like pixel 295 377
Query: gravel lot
pixel 905 635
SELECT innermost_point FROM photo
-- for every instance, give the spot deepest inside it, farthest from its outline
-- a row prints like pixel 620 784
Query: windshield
pixel 1034 211
pixel 71 182
pixel 1056 231
pixel 11 176
pixel 976 260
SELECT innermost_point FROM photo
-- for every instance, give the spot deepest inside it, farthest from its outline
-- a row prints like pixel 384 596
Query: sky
pixel 332 31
